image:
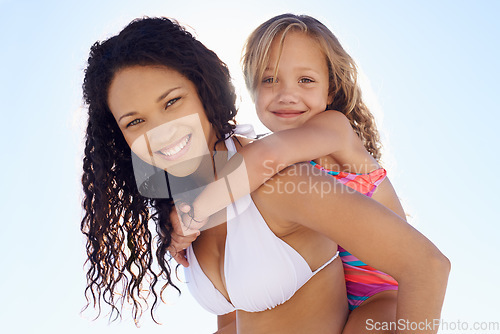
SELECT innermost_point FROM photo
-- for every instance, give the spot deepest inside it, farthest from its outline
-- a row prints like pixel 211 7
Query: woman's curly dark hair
pixel 119 242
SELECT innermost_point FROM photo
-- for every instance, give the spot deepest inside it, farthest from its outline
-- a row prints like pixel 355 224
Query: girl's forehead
pixel 295 45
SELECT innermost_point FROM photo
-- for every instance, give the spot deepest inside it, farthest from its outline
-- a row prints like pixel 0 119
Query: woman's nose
pixel 160 131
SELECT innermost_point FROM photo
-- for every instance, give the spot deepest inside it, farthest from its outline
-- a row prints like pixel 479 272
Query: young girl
pixel 295 69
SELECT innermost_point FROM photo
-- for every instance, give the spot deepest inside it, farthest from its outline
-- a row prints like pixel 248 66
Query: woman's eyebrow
pixel 132 113
pixel 162 96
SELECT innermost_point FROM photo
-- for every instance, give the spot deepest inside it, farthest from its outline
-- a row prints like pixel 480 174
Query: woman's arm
pixel 326 133
pixel 375 234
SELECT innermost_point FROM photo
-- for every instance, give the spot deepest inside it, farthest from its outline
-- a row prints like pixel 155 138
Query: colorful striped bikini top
pixel 363 183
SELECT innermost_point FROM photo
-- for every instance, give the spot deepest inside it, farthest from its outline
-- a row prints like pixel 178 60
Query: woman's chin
pixel 183 168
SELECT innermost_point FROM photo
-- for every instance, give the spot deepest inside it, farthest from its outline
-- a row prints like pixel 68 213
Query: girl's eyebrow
pixel 161 97
pixel 300 68
pixel 305 68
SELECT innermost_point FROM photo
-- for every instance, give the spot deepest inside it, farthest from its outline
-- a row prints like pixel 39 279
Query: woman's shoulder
pixel 289 199
pixel 242 140
pixel 243 134
pixel 275 199
pixel 302 180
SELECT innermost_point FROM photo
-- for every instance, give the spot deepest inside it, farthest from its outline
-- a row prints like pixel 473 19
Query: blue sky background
pixel 434 75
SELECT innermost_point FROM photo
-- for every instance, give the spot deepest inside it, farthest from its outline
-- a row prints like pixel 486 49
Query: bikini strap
pixel 327 263
pixel 246 130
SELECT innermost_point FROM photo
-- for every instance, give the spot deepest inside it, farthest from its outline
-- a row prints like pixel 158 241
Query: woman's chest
pixel 256 265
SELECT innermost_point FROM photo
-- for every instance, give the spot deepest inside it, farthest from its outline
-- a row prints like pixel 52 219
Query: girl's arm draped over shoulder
pixel 375 234
pixel 324 134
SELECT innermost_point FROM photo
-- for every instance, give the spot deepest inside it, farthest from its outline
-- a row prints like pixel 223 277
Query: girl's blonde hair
pixel 343 74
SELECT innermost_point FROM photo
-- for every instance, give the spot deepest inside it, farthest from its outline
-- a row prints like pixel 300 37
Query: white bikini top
pixel 261 270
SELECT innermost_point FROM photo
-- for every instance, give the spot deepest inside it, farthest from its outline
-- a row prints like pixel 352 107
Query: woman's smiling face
pixel 161 117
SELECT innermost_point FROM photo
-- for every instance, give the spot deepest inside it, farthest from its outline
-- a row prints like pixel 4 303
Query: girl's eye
pixel 305 80
pixel 269 80
pixel 171 102
pixel 135 122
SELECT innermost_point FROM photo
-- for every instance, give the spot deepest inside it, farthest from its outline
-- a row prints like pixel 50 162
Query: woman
pixel 155 89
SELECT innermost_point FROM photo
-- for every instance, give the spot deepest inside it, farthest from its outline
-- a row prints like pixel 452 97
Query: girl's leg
pixel 374 314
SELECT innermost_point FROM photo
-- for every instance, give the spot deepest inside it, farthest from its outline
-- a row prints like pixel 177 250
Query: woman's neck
pixel 217 158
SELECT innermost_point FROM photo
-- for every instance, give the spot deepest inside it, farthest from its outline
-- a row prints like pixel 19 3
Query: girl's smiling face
pixel 161 117
pixel 298 90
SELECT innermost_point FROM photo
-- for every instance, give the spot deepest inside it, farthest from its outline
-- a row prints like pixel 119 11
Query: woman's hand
pixel 182 236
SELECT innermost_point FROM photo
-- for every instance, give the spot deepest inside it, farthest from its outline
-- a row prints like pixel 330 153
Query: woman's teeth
pixel 177 147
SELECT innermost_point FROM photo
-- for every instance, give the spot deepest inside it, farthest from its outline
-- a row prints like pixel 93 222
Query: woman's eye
pixel 306 80
pixel 269 80
pixel 135 122
pixel 171 102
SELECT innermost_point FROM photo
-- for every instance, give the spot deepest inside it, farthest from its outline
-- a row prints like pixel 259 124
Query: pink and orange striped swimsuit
pixel 362 281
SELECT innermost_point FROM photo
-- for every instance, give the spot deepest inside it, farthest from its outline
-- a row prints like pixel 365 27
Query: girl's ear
pixel 330 99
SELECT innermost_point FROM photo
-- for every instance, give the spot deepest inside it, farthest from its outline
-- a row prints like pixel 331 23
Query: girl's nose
pixel 286 93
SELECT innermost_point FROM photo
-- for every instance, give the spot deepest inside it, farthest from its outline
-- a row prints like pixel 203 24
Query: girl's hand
pixel 182 237
pixel 190 223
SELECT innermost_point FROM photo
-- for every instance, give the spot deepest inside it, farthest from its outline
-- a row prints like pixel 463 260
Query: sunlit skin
pixel 161 117
pixel 299 89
